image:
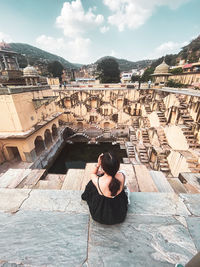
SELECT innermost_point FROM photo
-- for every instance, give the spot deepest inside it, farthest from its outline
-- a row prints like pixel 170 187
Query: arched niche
pixel 39 145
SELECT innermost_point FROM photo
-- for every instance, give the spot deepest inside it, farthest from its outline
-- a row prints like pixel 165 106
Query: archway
pixel 67 133
pixel 54 131
pixel 106 125
pixel 47 138
pixel 80 125
pixel 39 145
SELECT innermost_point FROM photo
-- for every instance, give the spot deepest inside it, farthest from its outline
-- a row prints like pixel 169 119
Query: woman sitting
pixel 105 193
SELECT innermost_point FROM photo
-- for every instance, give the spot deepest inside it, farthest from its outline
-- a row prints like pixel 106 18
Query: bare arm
pixel 95 170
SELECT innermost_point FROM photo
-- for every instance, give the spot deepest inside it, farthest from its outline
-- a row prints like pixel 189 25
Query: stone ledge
pixel 142 240
pixel 55 200
pixel 157 204
pixel 192 201
pixel 32 238
pixel 12 199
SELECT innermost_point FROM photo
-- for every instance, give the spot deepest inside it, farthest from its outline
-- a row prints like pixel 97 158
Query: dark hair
pixel 110 164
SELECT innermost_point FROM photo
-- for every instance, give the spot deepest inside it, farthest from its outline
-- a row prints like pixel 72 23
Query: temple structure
pixel 161 74
pixel 10 72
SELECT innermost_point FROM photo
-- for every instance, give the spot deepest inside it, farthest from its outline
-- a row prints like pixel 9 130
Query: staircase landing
pixel 54 228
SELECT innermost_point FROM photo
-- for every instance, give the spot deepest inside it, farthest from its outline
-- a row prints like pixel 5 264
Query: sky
pixel 82 31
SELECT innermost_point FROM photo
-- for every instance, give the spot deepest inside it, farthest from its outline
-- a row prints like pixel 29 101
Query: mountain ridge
pixel 36 55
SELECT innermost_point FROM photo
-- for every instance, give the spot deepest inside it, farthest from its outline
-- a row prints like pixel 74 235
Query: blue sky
pixel 84 30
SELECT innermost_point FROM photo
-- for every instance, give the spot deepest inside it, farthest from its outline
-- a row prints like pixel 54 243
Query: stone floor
pixel 53 228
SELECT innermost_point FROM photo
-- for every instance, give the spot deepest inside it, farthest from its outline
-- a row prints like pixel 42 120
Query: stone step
pixel 73 179
pixel 52 176
pixel 161 182
pixel 131 180
pixel 88 169
pixel 177 185
pixel 144 179
pixel 53 184
pixel 13 177
pixel 191 189
pixel 31 180
pixel 190 181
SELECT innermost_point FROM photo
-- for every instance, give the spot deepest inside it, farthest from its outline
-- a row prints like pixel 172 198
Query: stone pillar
pixel 5 62
pixel 1 65
pixel 30 156
pixel 17 64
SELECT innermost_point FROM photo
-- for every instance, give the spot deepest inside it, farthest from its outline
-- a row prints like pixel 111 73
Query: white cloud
pixel 104 29
pixel 5 37
pixel 75 21
pixel 167 48
pixel 134 13
pixel 74 50
pixel 113 53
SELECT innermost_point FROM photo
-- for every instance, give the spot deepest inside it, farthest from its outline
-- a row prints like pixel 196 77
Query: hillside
pixel 126 65
pixel 191 52
pixel 37 56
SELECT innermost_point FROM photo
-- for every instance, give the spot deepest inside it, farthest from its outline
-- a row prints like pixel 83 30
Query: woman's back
pixel 105 195
pixel 102 184
pixel 105 210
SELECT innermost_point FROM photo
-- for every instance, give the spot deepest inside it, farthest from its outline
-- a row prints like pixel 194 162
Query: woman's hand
pixel 99 160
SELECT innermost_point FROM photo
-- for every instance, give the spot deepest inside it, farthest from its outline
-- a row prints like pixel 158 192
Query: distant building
pixel 161 74
pixel 190 75
pixel 126 77
pixel 10 73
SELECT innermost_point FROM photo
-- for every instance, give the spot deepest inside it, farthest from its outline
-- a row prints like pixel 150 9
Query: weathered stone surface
pixel 192 202
pixel 13 177
pixel 12 199
pixel 157 204
pixel 161 182
pixel 145 182
pixel 73 179
pixel 194 229
pixel 131 180
pixel 43 238
pixel 140 241
pixel 55 200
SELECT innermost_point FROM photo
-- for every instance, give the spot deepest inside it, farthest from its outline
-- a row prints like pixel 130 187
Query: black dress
pixel 104 209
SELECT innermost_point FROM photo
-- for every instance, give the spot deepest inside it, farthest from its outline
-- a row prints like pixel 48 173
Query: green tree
pixel 108 71
pixel 55 68
pixel 173 83
pixel 147 74
pixel 135 78
pixel 176 71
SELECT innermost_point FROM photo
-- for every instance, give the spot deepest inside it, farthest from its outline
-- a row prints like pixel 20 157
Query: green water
pixel 76 156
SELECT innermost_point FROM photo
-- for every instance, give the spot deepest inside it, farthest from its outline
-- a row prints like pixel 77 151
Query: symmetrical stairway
pixel 163 162
pixel 145 137
pixel 142 152
pixel 161 106
pixel 147 108
pixel 161 117
pixel 162 137
pixel 189 135
pixel 130 150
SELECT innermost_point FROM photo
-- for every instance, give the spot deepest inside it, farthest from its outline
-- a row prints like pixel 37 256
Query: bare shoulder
pixel 120 176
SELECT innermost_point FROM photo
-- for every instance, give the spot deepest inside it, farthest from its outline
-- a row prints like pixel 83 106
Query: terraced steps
pixel 144 179
pixel 73 179
pixel 161 182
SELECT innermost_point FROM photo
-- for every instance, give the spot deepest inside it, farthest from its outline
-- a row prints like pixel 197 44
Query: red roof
pixel 187 66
